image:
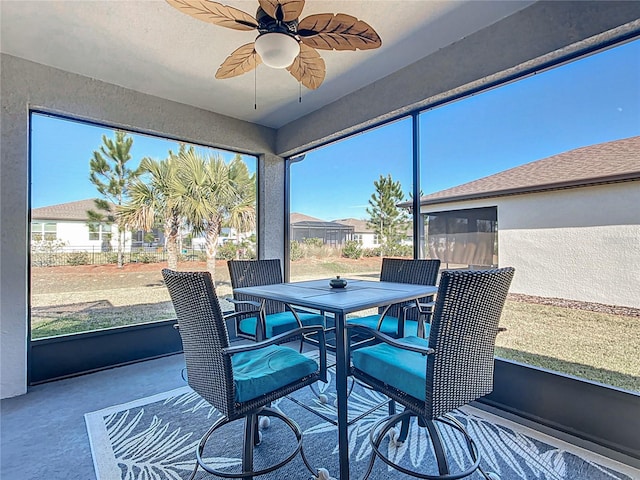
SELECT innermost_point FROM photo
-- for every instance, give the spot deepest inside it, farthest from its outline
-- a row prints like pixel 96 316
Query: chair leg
pixel 436 441
pixel 250 429
pixel 404 430
pixel 257 436
pixel 382 427
pixel 249 441
pixel 392 407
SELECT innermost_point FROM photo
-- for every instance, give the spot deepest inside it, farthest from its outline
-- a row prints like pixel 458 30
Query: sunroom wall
pixel 26 85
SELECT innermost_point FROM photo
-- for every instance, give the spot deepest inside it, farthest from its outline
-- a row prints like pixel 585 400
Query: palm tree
pixel 242 216
pixel 209 192
pixel 152 202
pixel 192 190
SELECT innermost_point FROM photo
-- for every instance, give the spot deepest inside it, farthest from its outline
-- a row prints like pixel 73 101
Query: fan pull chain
pixel 255 88
pixel 300 80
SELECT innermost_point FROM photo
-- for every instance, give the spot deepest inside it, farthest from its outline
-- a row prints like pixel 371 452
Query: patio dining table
pixel 356 296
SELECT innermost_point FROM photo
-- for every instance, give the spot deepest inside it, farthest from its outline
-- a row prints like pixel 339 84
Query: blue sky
pixel 61 150
pixel 593 100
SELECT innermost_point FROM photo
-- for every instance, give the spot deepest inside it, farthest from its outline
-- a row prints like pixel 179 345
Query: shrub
pixel 47 252
pixel 352 249
pixel 313 242
pixel 295 251
pixel 144 257
pixel 227 251
pixel 78 258
pixel 111 257
pixel 372 252
pixel 247 251
pixel 398 250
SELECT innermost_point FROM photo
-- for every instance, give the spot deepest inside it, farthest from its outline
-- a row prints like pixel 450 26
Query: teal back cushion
pixel 282 322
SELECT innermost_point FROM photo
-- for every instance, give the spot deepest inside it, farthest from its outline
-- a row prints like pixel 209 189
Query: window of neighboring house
pixel 376 240
pixel 43 231
pixel 81 297
pixel 464 238
pixel 101 231
pixel 357 237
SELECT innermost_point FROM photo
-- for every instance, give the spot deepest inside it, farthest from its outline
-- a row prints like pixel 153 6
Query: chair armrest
pixel 240 314
pixel 243 302
pixel 283 337
pixel 423 306
pixel 392 341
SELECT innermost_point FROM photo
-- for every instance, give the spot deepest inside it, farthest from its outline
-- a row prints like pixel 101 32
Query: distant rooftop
pixel 359 226
pixel 72 211
pixel 610 162
pixel 301 217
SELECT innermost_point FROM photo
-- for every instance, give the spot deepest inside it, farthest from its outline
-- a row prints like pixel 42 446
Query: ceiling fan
pixel 284 41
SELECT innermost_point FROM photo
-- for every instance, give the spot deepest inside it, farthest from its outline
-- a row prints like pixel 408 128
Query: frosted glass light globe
pixel 277 50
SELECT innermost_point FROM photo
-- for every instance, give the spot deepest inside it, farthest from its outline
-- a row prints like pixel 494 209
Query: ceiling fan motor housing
pixel 268 24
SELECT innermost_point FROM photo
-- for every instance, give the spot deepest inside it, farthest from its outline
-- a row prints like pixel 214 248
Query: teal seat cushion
pixel 263 371
pixel 402 369
pixel 389 324
pixel 411 329
pixel 282 322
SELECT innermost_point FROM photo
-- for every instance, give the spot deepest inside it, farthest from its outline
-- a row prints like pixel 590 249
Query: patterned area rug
pixel 155 438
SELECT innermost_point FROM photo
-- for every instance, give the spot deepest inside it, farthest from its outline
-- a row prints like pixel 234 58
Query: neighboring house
pixel 331 233
pixel 227 235
pixel 362 233
pixel 68 223
pixel 569 224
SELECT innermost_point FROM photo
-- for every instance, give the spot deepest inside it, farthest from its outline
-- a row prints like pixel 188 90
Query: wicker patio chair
pixel 433 377
pixel 258 319
pixel 226 376
pixel 409 318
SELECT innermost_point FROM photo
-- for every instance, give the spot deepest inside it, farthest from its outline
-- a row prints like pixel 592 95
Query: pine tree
pixel 112 179
pixel 387 220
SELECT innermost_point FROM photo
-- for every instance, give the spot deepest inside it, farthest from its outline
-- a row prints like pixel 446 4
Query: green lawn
pixel 596 346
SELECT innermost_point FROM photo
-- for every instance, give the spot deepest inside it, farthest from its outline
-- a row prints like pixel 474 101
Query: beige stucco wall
pixel 26 85
pixel 579 244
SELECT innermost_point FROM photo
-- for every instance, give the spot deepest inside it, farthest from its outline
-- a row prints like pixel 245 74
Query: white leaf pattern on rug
pixel 156 439
pixel 153 451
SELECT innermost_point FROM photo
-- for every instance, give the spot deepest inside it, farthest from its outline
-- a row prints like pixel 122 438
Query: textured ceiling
pixel 150 47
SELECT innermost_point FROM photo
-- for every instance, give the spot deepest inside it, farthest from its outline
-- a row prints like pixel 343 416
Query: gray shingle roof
pixel 609 162
pixel 301 217
pixel 359 226
pixel 72 211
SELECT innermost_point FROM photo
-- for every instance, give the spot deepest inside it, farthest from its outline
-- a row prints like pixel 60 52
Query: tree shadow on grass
pixel 99 314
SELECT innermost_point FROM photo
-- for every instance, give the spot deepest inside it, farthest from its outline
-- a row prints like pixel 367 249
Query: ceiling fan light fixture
pixel 277 50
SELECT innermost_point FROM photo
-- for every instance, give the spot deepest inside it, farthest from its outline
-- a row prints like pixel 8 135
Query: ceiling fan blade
pixel 287 9
pixel 308 67
pixel 216 13
pixel 242 60
pixel 327 31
